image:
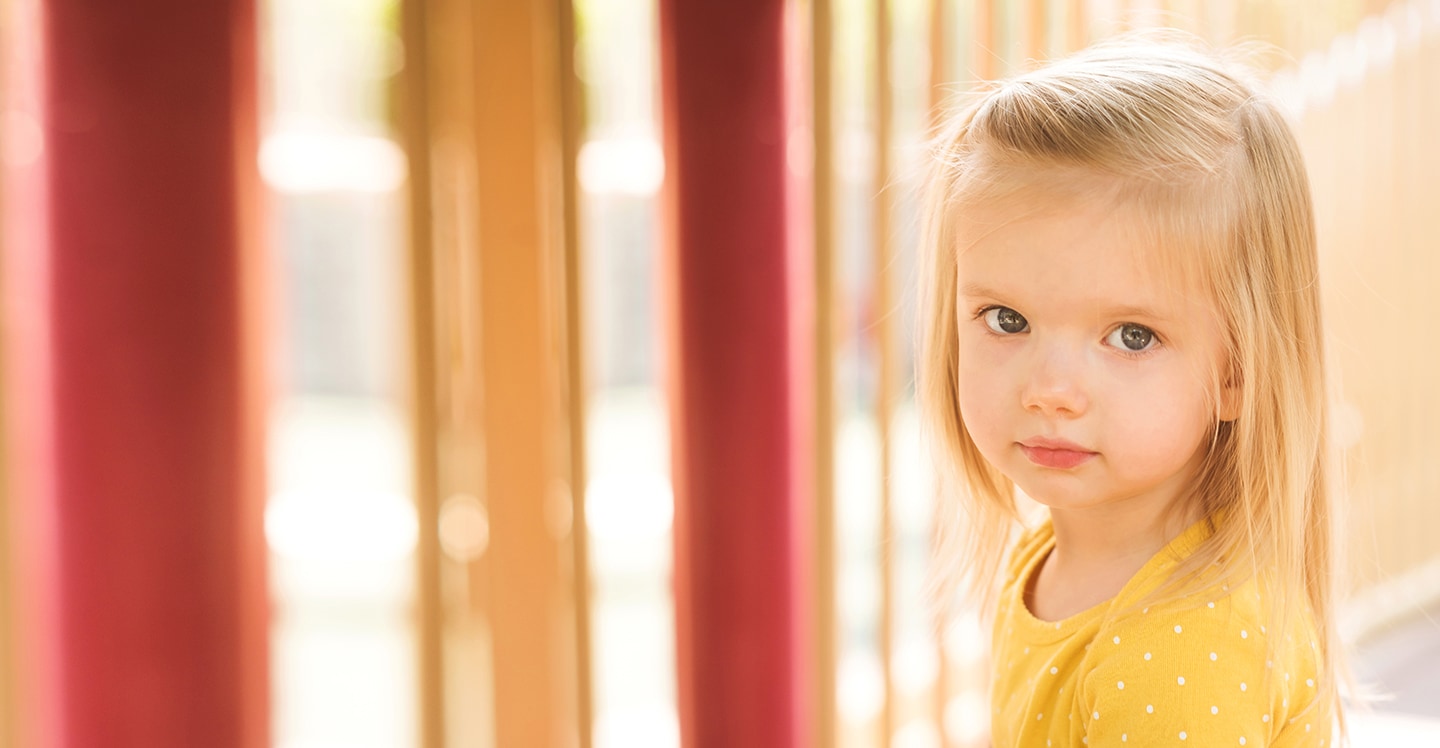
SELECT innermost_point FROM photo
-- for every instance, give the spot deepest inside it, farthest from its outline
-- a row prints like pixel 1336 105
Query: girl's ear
pixel 1229 402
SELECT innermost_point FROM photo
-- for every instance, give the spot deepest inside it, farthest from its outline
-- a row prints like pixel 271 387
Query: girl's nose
pixel 1055 386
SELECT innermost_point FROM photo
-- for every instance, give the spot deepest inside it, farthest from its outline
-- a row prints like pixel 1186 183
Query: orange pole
pixel 517 290
pixel 1077 25
pixel 1036 28
pixel 985 58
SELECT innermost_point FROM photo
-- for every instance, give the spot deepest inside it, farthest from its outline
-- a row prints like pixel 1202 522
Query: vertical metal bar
pixel 984 57
pixel 571 131
pixel 823 131
pixel 1194 16
pixel 1421 108
pixel 735 564
pixel 29 561
pixel 1401 148
pixel 883 328
pixel 940 40
pixel 1077 25
pixel 939 55
pixel 9 729
pixel 516 136
pixel 1037 19
pixel 153 377
pixel 1231 23
pixel 415 125
pixel 940 43
pixel 826 622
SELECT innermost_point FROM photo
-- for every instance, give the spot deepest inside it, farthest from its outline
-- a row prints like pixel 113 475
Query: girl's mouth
pixel 1059 459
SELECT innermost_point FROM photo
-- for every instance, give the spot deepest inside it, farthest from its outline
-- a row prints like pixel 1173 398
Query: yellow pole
pixel 577 391
pixel 415 124
pixel 822 31
pixel 884 402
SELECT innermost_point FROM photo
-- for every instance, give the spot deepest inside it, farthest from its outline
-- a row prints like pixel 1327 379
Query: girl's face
pixel 1083 371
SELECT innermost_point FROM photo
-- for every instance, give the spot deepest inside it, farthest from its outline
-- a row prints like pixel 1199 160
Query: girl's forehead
pixel 1072 246
pixel 1175 231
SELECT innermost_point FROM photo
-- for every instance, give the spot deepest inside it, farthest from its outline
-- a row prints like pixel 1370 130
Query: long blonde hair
pixel 1218 173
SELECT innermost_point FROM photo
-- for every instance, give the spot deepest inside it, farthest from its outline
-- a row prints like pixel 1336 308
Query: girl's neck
pixel 1105 535
pixel 1097 551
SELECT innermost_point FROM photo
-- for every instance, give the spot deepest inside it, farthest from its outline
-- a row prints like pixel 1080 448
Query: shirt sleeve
pixel 1196 677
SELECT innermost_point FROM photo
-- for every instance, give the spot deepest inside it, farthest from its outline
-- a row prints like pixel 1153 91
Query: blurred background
pixel 455 294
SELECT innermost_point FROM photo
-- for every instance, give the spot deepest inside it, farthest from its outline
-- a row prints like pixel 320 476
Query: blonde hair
pixel 1219 179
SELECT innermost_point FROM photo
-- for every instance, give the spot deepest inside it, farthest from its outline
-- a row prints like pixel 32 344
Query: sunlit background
pixel 351 614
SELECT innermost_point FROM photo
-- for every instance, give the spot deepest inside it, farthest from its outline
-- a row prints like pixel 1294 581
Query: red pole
pixel 723 78
pixel 149 493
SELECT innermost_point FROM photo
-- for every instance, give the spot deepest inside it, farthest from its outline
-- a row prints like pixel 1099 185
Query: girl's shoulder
pixel 1217 648
pixel 1215 614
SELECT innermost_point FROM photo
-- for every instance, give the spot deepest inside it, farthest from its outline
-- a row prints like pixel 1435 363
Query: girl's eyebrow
pixel 973 290
pixel 1135 310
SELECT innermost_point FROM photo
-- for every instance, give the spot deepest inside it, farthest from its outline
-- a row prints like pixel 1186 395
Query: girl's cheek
pixel 982 388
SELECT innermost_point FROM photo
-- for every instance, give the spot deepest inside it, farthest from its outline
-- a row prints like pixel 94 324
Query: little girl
pixel 1121 319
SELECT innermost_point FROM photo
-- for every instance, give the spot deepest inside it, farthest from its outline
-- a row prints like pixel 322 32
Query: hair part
pixel 1185 137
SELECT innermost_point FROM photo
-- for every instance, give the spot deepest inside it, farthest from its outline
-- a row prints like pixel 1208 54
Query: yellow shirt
pixel 1192 672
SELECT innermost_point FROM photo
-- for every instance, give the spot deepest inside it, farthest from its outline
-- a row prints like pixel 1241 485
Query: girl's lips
pixel 1060 459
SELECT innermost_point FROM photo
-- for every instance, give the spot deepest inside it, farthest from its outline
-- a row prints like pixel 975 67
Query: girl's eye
pixel 1004 320
pixel 1132 338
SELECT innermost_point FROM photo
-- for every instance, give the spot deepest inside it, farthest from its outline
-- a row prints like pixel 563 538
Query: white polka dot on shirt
pixel 1120 685
pixel 1177 629
pixel 1180 680
pixel 1117 640
pixel 1242 686
pixel 1242 740
pixel 1054 670
pixel 1265 718
pixel 1310 682
pixel 1096 715
pixel 1213 657
pixel 1149 708
pixel 1182 734
pixel 1214 710
pixel 1244 634
pixel 1147 656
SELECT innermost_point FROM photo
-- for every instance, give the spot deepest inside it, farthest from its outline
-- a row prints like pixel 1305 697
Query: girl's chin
pixel 1057 497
